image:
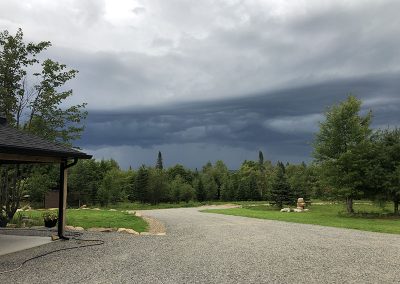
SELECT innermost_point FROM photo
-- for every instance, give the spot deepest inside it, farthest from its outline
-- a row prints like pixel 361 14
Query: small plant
pixel 49 216
pixel 50 219
pixel 18 219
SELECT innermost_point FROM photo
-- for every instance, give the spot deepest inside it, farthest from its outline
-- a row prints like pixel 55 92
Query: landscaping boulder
pixel 72 228
pixel 104 230
pixel 128 231
pixel 286 210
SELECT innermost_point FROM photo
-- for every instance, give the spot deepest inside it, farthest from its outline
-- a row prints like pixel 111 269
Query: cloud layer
pixel 282 124
pixel 213 77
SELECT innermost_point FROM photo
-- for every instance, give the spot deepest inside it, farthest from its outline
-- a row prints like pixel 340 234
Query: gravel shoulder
pixel 213 248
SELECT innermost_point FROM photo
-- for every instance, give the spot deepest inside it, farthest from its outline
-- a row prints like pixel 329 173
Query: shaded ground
pixel 9 243
pixel 211 248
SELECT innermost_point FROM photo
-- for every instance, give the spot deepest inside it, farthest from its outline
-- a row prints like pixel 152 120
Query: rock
pixel 83 206
pixel 145 234
pixel 129 231
pixel 160 234
pixel 103 230
pixel 298 210
pixel 86 208
pixel 138 214
pixel 54 237
pixel 72 228
pixel 300 203
pixel 112 210
pixel 97 209
pixel 132 212
pixel 285 210
pixel 11 225
pixel 25 208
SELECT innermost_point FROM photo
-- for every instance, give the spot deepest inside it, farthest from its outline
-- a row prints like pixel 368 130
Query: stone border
pixel 156 228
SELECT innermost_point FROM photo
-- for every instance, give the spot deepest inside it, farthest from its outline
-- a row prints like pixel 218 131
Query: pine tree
pixel 280 191
pixel 159 164
pixel 243 189
pixel 141 184
pixel 260 159
pixel 261 174
pixel 253 193
pixel 200 191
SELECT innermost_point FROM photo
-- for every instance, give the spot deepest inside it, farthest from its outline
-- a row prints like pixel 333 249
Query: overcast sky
pixel 208 80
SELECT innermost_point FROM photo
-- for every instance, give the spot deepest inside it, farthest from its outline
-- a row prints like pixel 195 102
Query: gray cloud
pixel 210 75
pixel 281 123
pixel 187 51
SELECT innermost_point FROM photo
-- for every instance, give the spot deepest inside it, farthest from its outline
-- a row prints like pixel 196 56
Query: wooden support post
pixel 62 201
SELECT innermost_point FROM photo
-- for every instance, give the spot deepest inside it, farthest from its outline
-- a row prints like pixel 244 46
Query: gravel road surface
pixel 212 248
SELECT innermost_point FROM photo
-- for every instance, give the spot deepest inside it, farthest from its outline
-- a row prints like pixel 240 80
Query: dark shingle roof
pixel 13 141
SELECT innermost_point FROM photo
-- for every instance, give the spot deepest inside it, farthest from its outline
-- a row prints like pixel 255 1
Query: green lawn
pixel 95 218
pixel 368 218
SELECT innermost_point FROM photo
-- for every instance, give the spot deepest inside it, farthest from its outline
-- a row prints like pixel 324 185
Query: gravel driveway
pixel 212 248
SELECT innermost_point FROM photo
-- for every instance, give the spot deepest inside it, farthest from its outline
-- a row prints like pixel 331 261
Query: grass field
pixel 93 219
pixel 368 217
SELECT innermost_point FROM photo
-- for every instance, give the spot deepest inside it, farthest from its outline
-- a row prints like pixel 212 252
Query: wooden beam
pixel 29 159
pixel 62 205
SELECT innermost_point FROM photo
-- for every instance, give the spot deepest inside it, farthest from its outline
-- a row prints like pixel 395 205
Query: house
pixel 18 147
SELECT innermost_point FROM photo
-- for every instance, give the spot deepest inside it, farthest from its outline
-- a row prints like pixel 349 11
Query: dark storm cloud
pixel 283 121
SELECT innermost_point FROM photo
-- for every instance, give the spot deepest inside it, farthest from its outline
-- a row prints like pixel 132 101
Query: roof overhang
pixel 21 155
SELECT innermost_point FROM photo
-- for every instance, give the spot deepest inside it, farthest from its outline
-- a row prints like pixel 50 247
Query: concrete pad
pixel 12 243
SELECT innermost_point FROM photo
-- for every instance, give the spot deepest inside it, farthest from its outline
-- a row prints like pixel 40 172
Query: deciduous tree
pixel 34 107
pixel 343 131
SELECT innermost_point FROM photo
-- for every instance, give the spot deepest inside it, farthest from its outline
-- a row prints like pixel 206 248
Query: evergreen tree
pixel 260 159
pixel 261 177
pixel 201 194
pixel 159 164
pixel 297 177
pixel 254 193
pixel 157 186
pixel 280 191
pixel 385 173
pixel 243 189
pixel 141 184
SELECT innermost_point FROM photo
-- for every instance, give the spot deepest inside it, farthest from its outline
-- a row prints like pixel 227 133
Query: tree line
pixel 104 182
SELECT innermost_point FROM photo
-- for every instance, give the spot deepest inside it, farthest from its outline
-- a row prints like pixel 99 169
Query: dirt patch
pixel 155 226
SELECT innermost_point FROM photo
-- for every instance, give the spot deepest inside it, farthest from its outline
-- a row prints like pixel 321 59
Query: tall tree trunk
pixel 349 205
